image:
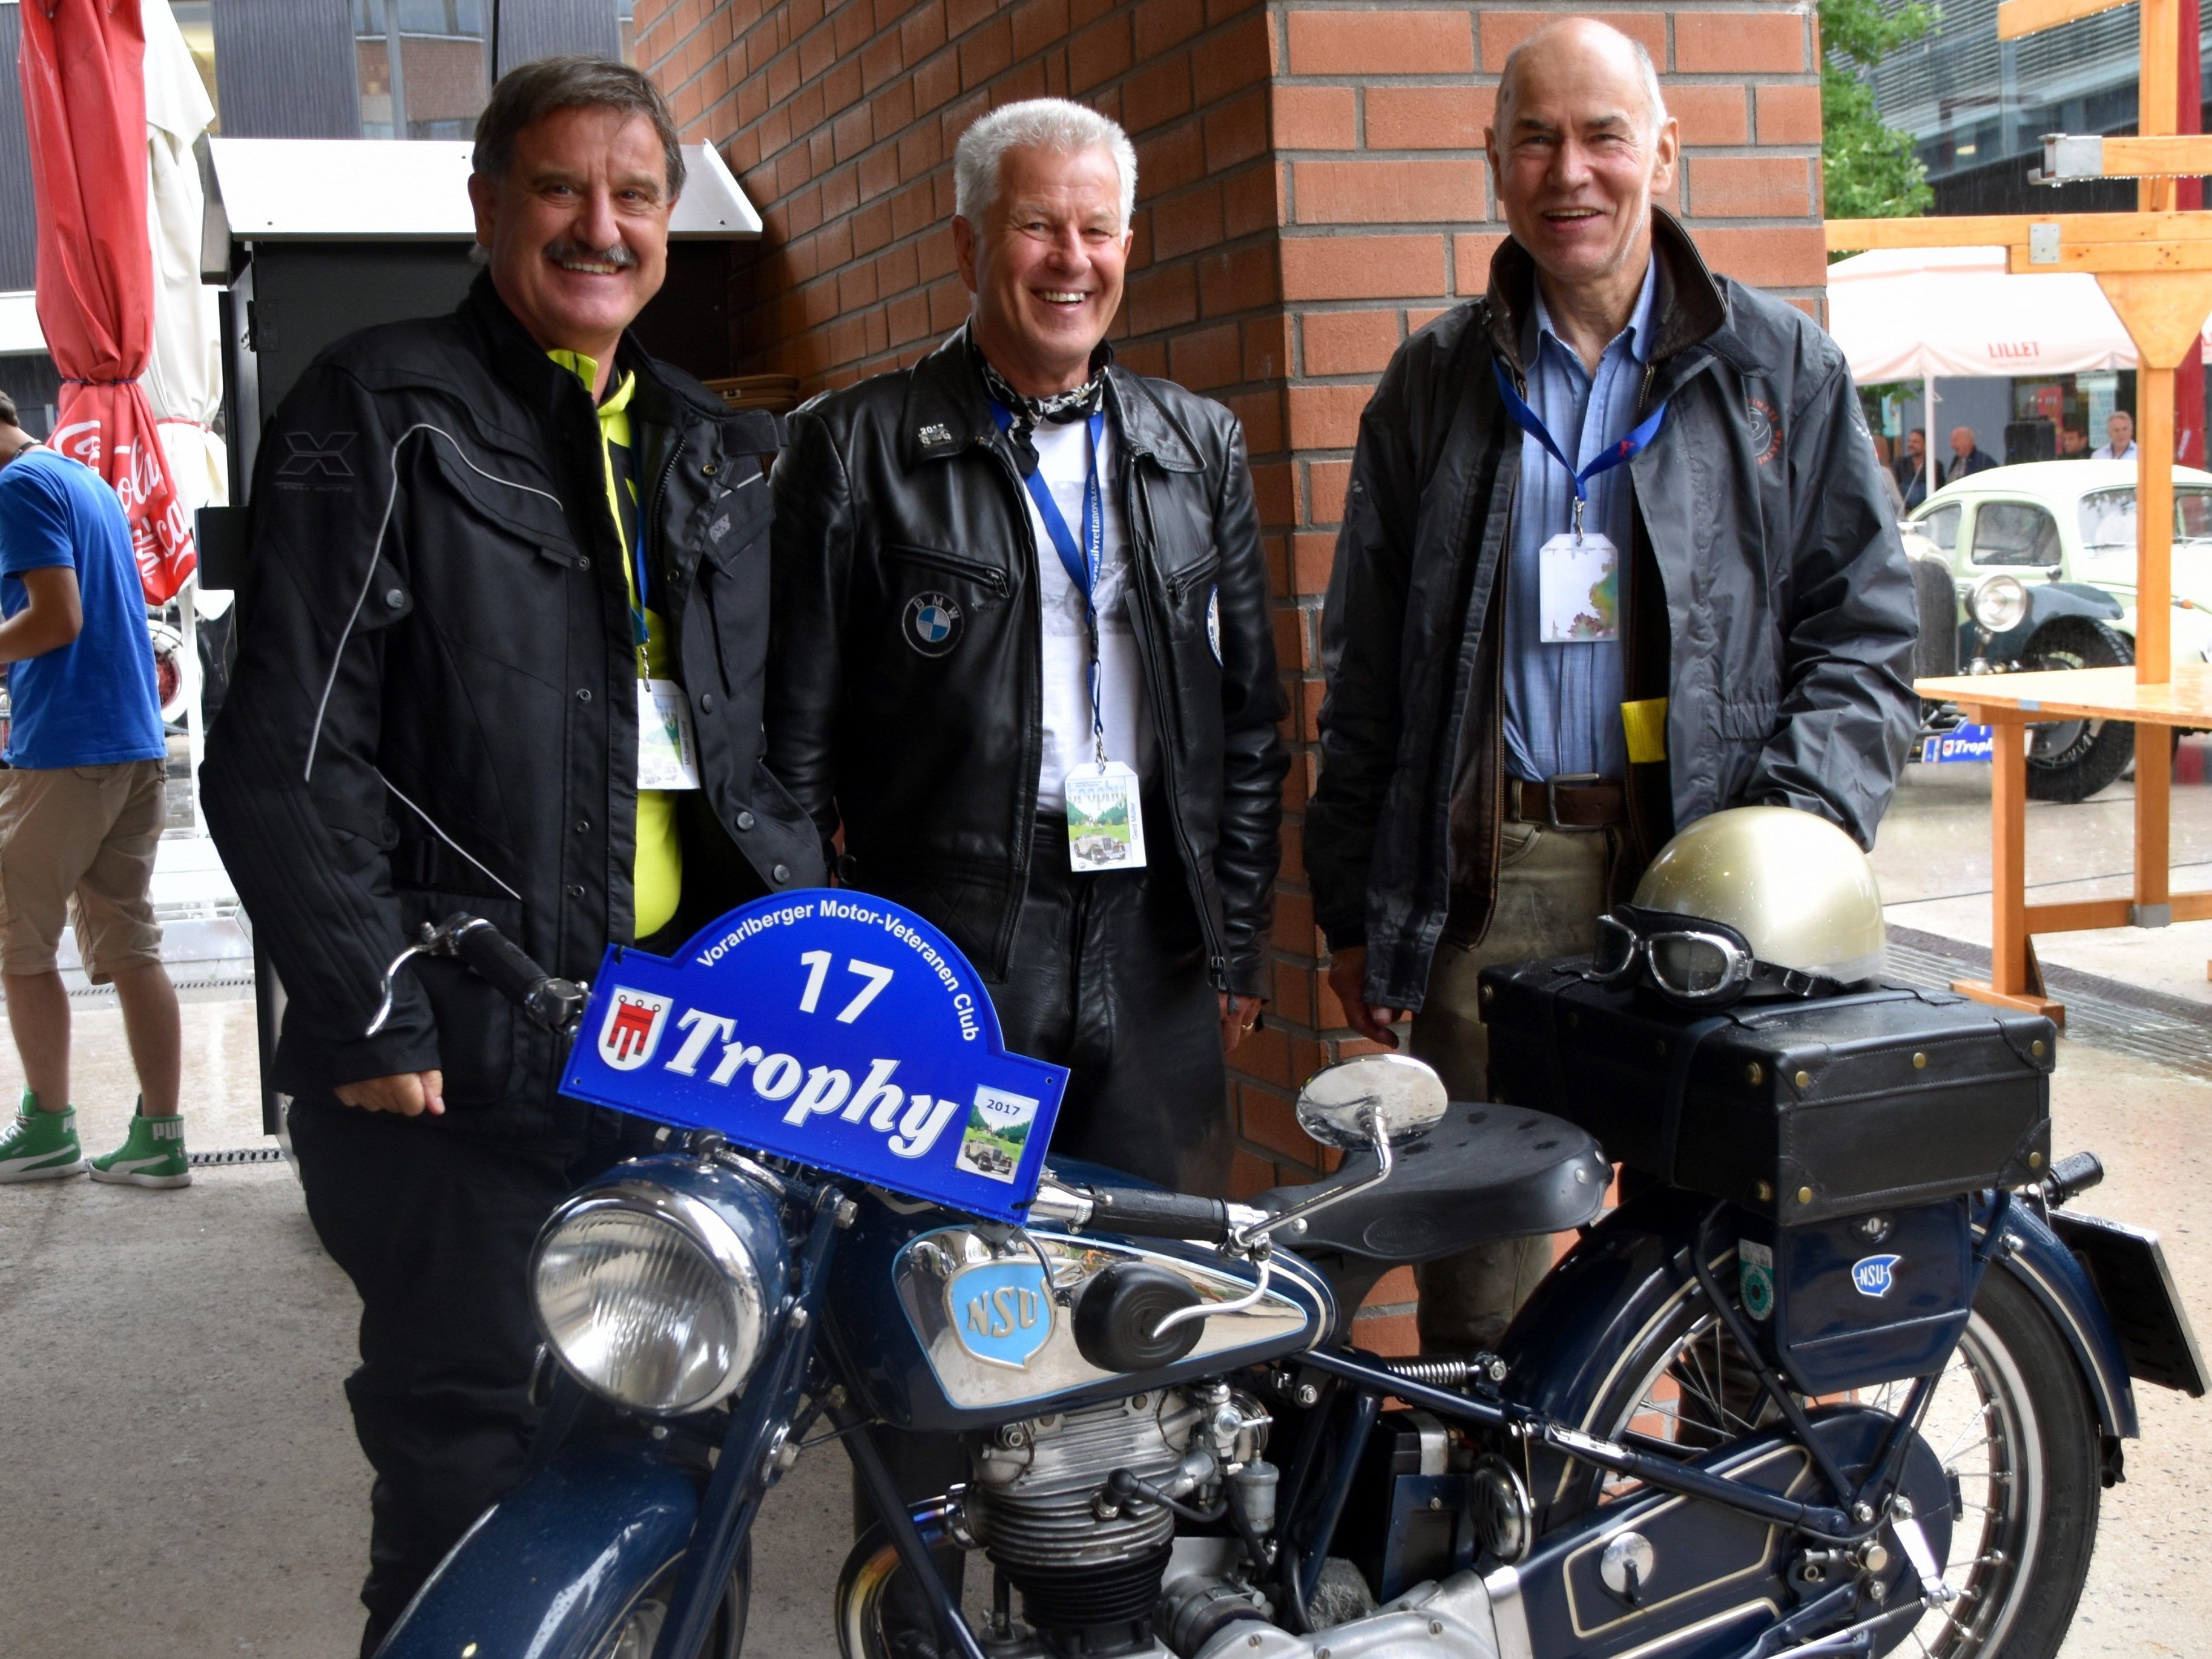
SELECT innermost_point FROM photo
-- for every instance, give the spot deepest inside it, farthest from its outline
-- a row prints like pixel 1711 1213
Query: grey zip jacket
pixel 1768 599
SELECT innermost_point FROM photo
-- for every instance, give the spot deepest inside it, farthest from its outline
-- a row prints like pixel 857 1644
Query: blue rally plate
pixel 838 1028
pixel 1960 742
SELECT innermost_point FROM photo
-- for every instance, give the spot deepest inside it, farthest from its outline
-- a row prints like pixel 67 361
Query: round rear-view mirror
pixel 1343 1104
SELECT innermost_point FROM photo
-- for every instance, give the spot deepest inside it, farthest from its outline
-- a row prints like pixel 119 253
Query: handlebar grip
pixel 1159 1215
pixel 548 1002
pixel 2070 1177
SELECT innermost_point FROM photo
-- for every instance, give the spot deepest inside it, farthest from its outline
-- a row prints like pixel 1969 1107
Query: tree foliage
pixel 1870 170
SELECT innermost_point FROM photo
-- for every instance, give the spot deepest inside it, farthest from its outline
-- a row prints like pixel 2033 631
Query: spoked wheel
pixel 2010 1423
pixel 637 1632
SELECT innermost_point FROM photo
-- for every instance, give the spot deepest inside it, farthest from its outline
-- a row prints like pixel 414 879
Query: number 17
pixel 818 966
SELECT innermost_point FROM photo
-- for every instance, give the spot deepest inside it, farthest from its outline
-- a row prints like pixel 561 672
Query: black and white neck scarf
pixel 1062 409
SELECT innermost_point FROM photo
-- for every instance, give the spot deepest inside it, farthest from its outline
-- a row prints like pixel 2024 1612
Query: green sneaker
pixel 153 1155
pixel 40 1146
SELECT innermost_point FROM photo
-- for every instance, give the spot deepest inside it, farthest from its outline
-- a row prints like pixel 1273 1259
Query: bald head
pixel 1576 45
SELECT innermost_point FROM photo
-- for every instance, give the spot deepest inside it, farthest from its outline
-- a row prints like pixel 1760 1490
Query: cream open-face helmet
pixel 1755 900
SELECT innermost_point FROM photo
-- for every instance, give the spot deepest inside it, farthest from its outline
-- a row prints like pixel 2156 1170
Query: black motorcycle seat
pixel 1486 1172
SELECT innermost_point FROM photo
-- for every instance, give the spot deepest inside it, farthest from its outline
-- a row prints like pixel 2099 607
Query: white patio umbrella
pixel 1919 314
pixel 183 379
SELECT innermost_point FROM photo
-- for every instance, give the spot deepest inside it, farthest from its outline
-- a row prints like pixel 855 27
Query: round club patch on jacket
pixel 1214 622
pixel 933 622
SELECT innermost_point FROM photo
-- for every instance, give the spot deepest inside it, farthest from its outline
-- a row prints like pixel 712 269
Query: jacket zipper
pixel 975 569
pixel 1216 953
pixel 1032 737
pixel 1183 581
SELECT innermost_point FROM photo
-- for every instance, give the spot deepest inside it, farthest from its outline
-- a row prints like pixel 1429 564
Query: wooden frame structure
pixel 2155 265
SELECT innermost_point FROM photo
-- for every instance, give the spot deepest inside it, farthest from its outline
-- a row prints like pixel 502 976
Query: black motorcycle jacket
pixel 902 492
pixel 434 707
pixel 1768 600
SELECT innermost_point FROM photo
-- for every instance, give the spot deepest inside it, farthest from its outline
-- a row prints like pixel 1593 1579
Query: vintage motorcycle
pixel 1729 1423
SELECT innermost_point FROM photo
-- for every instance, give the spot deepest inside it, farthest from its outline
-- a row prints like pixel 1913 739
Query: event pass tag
pixel 831 1027
pixel 667 752
pixel 1105 819
pixel 1579 592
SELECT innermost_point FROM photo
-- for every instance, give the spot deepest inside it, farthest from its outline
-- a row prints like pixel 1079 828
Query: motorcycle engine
pixel 1088 1560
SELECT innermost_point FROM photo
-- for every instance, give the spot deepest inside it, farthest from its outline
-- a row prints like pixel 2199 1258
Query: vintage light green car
pixel 2041 562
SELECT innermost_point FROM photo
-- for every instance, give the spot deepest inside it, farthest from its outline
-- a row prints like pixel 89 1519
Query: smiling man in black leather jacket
pixel 436 708
pixel 929 685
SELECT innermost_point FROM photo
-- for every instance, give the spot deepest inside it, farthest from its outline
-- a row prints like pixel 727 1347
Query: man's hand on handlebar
pixel 1347 977
pixel 410 1094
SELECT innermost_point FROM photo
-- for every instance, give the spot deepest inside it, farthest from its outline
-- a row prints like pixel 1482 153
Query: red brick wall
pixel 1311 187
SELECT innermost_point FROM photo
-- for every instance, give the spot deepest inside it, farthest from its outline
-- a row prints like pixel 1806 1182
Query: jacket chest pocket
pixel 1194 601
pixel 932 597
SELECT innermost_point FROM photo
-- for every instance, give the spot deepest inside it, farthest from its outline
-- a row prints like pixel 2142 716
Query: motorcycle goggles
pixel 1691 961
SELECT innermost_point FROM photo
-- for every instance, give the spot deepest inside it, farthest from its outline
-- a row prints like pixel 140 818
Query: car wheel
pixel 2072 760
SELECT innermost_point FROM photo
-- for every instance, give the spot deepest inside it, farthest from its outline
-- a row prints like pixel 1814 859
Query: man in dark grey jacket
pixel 1615 556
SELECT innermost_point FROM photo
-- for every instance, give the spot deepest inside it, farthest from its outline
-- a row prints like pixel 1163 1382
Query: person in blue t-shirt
pixel 81 810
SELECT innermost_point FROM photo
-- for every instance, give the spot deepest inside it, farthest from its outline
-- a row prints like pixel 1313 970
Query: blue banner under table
pixel 1960 742
pixel 835 1028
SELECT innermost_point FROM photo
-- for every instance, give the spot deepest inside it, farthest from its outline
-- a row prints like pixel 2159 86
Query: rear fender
pixel 2032 1254
pixel 550 1568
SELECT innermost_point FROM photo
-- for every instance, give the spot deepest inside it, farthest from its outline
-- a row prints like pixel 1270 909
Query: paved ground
pixel 179 1479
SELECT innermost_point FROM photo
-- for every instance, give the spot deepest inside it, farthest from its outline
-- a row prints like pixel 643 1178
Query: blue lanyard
pixel 1612 455
pixel 1081 560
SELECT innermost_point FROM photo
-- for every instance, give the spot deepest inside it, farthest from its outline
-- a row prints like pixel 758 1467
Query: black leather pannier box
pixel 1801 1110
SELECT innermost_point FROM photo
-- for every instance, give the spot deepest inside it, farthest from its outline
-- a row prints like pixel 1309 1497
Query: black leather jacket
pixel 902 486
pixel 479 748
pixel 1769 600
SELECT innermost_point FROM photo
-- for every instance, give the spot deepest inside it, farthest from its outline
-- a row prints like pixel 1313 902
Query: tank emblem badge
pixel 1874 1274
pixel 1001 1311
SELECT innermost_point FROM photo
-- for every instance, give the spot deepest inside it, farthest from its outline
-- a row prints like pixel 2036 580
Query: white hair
pixel 1046 124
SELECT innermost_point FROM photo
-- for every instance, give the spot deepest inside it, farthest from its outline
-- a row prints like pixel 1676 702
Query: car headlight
pixel 655 1296
pixel 1998 604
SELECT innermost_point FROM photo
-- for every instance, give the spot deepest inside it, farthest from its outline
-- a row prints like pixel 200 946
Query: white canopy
pixel 1915 314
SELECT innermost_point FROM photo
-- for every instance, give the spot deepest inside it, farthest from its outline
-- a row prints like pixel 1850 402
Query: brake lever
pixel 435 940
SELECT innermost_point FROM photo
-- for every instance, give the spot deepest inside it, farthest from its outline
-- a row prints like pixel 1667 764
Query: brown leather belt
pixel 1567 803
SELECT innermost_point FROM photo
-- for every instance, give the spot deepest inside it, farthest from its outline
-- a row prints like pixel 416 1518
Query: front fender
pixel 550 1568
pixel 2047 601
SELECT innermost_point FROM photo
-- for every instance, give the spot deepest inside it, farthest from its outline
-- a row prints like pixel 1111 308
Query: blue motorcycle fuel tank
pixel 944 1323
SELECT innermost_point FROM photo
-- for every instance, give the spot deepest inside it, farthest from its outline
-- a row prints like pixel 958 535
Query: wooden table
pixel 2007 704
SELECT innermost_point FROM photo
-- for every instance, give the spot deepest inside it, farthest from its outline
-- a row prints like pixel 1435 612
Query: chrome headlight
pixel 1998 604
pixel 655 1292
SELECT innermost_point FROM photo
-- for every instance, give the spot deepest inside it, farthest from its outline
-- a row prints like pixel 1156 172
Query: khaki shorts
pixel 80 840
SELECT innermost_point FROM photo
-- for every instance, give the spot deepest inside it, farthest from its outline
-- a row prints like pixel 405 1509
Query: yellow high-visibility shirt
pixel 657 872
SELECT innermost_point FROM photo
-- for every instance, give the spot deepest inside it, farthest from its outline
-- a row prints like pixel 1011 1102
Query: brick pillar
pixel 1311 188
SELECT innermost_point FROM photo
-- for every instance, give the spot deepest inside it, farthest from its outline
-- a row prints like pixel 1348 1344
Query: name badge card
pixel 1105 820
pixel 1579 591
pixel 667 751
pixel 831 1027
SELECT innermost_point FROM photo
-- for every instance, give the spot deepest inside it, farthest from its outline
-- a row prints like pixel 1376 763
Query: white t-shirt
pixel 1063 465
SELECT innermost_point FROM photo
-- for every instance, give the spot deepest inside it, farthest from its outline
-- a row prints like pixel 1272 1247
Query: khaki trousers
pixel 1552 887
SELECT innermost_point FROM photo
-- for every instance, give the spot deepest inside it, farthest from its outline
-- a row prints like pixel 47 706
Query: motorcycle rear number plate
pixel 831 1027
pixel 1960 742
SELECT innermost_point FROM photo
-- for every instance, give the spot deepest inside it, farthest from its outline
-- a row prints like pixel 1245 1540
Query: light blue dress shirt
pixel 1563 700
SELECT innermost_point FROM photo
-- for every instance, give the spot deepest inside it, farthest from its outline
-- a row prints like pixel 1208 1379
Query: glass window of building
pixel 425 67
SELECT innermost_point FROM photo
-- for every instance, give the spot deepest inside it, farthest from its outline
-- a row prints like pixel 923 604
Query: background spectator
pixel 2119 443
pixel 1968 456
pixel 81 810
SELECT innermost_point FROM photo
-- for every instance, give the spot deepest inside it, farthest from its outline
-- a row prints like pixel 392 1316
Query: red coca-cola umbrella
pixel 84 100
